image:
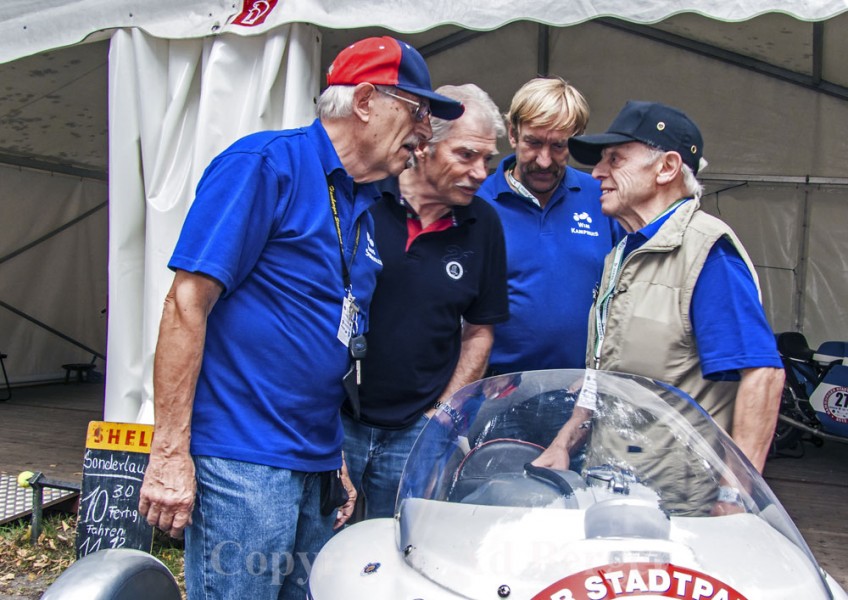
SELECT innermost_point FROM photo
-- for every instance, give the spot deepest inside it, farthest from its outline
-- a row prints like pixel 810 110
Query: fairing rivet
pixel 504 591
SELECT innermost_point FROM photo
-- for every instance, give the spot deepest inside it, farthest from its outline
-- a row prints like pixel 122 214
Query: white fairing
pixel 632 517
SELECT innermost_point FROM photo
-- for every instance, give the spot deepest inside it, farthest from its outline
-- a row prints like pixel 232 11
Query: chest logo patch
pixel 454 270
pixel 583 225
pixel 452 261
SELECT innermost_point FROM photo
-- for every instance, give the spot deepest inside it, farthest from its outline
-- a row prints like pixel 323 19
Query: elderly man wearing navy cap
pixel 679 298
pixel 274 272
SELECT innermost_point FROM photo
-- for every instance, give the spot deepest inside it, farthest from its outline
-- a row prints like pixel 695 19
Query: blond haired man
pixel 556 235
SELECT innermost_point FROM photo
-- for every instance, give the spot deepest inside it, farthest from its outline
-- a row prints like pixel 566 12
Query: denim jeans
pixel 255 531
pixel 375 459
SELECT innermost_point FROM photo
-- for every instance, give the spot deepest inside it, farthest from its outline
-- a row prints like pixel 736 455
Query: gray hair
pixel 336 102
pixel 473 98
pixel 690 182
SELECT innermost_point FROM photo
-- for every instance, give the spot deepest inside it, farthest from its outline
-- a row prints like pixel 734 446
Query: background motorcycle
pixel 815 396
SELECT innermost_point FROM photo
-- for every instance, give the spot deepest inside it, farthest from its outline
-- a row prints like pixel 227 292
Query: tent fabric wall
pixel 174 105
pixel 795 236
pixel 51 269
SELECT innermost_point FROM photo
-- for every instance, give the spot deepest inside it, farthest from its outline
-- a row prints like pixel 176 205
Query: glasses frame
pixel 419 113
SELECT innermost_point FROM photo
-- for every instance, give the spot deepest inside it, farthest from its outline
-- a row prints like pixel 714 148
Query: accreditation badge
pixel 349 319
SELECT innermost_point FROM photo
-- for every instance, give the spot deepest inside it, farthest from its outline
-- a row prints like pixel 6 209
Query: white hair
pixel 690 182
pixel 472 97
pixel 336 102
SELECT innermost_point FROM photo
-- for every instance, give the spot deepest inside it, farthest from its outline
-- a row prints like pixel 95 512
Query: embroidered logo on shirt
pixel 371 249
pixel 453 266
pixel 454 270
pixel 583 224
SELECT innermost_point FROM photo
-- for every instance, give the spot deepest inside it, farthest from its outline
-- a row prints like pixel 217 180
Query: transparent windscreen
pixel 639 485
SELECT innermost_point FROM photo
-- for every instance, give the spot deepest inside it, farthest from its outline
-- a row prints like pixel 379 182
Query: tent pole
pixel 56 332
pixel 56 231
pixel 818 52
pixel 543 51
pixel 801 265
pixel 50 167
pixel 449 41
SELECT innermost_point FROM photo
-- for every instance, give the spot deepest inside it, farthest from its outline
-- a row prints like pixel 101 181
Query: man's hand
pixel 346 510
pixel 571 436
pixel 721 509
pixel 167 494
pixel 555 456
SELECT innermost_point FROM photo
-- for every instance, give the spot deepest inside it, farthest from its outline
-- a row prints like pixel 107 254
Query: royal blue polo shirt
pixel 555 257
pixel 447 274
pixel 732 333
pixel 270 386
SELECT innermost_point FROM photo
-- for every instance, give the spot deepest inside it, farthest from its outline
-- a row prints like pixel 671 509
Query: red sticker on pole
pixel 254 12
pixel 631 580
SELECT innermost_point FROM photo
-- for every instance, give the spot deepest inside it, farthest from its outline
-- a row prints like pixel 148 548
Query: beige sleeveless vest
pixel 648 330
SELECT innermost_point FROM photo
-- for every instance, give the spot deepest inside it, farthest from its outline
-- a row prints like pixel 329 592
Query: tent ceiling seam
pixel 739 60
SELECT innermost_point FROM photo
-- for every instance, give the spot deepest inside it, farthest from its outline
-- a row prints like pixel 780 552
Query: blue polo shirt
pixel 732 333
pixel 555 257
pixel 270 386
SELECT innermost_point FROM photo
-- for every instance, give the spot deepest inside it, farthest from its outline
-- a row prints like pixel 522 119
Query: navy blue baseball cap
pixel 387 61
pixel 652 123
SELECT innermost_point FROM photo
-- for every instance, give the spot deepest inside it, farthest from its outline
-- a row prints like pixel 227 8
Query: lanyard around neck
pixel 337 221
pixel 520 188
pixel 602 309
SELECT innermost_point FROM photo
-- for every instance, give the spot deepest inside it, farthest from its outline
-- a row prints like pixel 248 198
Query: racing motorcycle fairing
pixel 632 516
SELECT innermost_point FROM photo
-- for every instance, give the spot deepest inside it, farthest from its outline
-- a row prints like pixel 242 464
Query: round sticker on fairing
pixel 644 580
pixel 836 404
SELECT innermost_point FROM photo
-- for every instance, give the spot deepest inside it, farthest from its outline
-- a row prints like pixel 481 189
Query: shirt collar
pixel 332 164
pixel 571 181
pixel 391 192
pixel 638 238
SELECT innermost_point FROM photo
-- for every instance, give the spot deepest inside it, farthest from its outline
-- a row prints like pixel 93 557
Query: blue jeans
pixel 255 531
pixel 375 459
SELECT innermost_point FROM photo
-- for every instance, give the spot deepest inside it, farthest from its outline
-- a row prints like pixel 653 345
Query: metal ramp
pixel 16 502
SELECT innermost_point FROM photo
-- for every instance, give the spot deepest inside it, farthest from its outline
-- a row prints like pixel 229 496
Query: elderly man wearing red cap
pixel 679 298
pixel 274 272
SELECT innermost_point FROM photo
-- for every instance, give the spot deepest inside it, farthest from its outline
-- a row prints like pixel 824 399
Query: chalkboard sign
pixel 116 456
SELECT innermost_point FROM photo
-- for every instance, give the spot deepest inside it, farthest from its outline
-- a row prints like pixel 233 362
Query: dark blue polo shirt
pixel 422 296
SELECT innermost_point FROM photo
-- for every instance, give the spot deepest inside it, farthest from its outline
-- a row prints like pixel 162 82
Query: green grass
pixel 27 569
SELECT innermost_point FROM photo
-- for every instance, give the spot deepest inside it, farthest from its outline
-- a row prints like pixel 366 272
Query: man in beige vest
pixel 679 298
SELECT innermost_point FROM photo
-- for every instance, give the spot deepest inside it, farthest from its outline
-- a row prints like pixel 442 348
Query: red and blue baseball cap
pixel 652 123
pixel 387 61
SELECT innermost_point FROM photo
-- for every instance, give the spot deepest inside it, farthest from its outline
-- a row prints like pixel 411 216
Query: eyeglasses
pixel 421 110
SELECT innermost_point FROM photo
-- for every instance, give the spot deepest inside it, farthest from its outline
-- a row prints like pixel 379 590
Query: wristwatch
pixel 730 495
pixel 450 411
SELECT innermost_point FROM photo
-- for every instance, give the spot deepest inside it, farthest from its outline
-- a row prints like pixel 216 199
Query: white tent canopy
pixel 768 88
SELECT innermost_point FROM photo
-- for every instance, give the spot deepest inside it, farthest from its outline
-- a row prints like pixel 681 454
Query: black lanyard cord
pixel 334 207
